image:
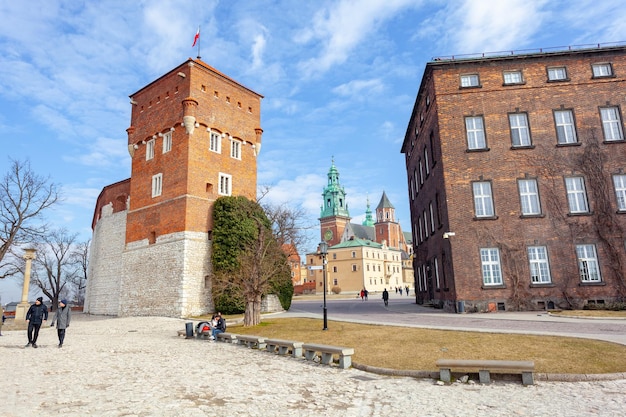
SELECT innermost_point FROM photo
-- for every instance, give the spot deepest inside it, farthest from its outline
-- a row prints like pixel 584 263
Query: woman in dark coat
pixel 62 319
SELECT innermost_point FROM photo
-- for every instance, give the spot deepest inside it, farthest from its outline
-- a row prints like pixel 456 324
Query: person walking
pixel 386 297
pixel 3 318
pixel 36 315
pixel 62 319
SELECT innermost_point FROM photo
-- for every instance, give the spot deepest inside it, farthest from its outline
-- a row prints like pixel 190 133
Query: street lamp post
pixel 324 252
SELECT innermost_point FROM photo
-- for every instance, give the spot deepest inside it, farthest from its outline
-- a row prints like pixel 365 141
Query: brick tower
pixel 194 136
pixel 334 216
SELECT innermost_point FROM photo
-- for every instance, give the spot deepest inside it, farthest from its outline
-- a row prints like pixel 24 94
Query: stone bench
pixel 327 353
pixel 204 335
pixel 526 368
pixel 251 341
pixel 282 347
pixel 226 337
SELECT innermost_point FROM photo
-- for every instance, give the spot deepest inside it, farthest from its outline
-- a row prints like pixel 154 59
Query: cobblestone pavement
pixel 139 367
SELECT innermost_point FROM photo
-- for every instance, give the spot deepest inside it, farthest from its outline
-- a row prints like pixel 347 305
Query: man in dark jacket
pixel 220 328
pixel 386 296
pixel 36 315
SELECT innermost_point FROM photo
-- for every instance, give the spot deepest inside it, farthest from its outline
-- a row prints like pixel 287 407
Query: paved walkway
pixel 139 367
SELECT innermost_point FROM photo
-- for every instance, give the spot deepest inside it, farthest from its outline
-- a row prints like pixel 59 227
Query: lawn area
pixel 406 348
pixel 592 313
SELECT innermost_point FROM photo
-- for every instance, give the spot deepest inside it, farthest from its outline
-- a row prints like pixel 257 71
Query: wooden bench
pixel 526 368
pixel 282 347
pixel 327 352
pixel 226 337
pixel 251 341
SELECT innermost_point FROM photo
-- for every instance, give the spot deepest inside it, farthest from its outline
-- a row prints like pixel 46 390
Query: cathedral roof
pixel 354 243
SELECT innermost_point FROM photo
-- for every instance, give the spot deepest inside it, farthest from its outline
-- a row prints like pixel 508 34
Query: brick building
pixel 516 170
pixel 194 136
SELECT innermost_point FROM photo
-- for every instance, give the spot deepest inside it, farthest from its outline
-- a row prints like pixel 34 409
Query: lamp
pixel 324 252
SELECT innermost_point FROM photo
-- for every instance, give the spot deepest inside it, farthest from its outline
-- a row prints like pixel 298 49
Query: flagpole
pixel 199 40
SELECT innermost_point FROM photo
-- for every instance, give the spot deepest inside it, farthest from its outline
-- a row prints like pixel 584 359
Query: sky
pixel 339 79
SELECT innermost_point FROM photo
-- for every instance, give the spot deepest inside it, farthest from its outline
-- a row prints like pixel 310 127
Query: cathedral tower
pixel 334 212
pixel 387 228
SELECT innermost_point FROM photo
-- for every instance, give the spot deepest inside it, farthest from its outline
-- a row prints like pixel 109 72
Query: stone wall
pixel 102 295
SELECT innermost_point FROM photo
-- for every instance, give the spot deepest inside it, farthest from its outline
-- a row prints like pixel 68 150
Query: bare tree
pixel 78 280
pixel 24 196
pixel 56 264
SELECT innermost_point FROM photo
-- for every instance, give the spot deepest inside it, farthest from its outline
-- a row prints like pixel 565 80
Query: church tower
pixel 334 212
pixel 387 228
pixel 194 136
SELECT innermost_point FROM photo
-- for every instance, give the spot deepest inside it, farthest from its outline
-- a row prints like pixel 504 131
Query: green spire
pixel 369 220
pixel 334 195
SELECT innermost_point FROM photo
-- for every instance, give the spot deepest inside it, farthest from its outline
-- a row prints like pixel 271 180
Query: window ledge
pixel 532 216
pixel 513 84
pixel 477 150
pixel 599 77
pixel 469 87
pixel 592 284
pixel 565 145
pixel 589 213
pixel 608 142
pixel 522 147
pixel 558 80
pixel 493 287
pixel 542 285
pixel 486 218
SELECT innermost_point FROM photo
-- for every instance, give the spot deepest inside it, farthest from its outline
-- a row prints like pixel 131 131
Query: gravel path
pixel 139 367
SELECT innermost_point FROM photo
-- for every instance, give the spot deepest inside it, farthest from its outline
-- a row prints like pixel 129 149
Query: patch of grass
pixel 417 349
pixel 591 313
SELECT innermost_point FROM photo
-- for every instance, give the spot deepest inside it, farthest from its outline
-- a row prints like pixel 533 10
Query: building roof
pixel 355 243
pixel 384 202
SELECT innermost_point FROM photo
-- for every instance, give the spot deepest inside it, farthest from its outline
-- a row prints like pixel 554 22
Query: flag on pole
pixel 195 38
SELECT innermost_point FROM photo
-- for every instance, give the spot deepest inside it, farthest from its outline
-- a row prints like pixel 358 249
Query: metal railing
pixel 500 54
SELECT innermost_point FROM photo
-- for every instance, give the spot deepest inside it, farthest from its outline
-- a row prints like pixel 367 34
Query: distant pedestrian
pixel 62 319
pixel 386 297
pixel 366 294
pixel 362 295
pixel 407 290
pixel 3 319
pixel 36 315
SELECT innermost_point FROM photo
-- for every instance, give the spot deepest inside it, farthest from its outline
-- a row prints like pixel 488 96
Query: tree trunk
pixel 252 316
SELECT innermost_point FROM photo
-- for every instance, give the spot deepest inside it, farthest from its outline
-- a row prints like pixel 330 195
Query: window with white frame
pixel 436 264
pixel 611 123
pixel 602 70
pixel 235 149
pixel 565 128
pixel 539 266
pixel 432 217
pixel 470 80
pixel 225 184
pixel 483 199
pixel 576 195
pixel 353 254
pixel 353 267
pixel 167 142
pixel 425 224
pixel 490 264
pixel 529 197
pixel 619 182
pixel 426 161
pixel 157 185
pixel 520 132
pixel 475 129
pixel 513 77
pixel 557 73
pixel 421 172
pixel 588 267
pixel 149 149
pixel 215 142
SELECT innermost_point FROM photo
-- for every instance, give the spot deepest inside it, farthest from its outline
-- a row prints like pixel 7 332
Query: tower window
pixel 150 150
pixel 167 142
pixel 215 142
pixel 157 185
pixel 225 184
pixel 235 149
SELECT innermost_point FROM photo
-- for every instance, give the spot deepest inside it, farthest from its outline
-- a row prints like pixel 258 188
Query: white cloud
pixel 343 27
pixel 356 88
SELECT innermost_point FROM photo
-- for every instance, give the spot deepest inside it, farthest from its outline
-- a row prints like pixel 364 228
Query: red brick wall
pixel 190 171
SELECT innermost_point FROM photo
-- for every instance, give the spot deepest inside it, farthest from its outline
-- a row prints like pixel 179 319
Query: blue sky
pixel 339 80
